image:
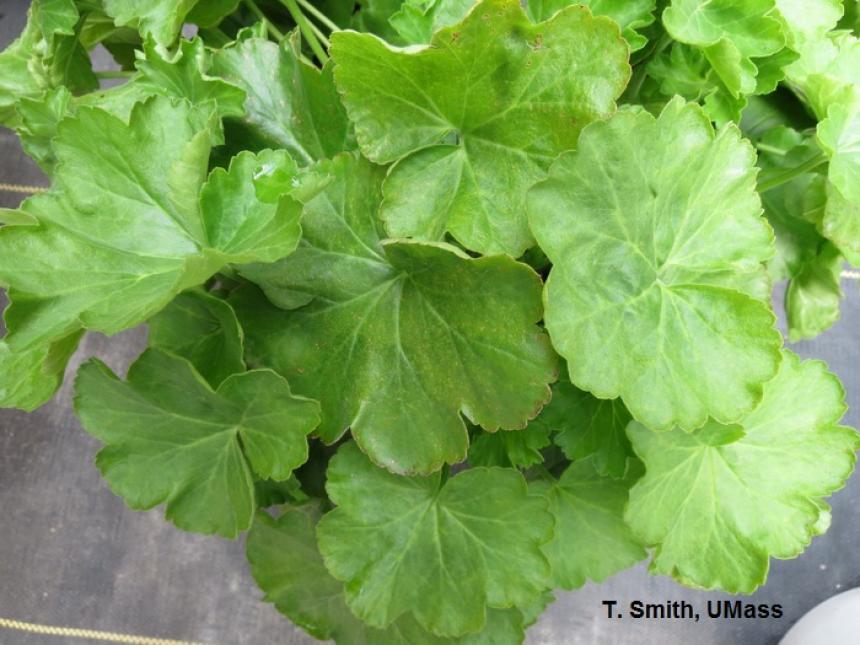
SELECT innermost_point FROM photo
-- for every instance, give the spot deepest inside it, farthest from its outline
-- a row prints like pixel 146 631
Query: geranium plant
pixel 450 304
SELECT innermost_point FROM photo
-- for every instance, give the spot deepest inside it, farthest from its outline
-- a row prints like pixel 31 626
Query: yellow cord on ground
pixel 21 188
pixel 72 632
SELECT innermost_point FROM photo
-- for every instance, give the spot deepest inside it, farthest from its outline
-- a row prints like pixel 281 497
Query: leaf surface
pixel 590 540
pixel 717 503
pixel 288 567
pixel 731 33
pixel 161 19
pixel 443 552
pixel 170 438
pixel 203 329
pixel 396 339
pixel 476 117
pixel 129 223
pixel 631 15
pixel 290 104
pixel 588 427
pixel 657 292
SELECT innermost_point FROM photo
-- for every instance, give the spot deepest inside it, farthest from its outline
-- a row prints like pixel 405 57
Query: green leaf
pixel 397 339
pixel 161 19
pixel 517 448
pixel 269 492
pixel 658 293
pixel 128 226
pixel 814 294
pixel 731 33
pixel 290 104
pixel 794 207
pixel 170 438
pixel 210 13
pixel 39 120
pixel 631 15
pixel 841 224
pixel 418 20
pixel 289 569
pixel 828 70
pixel 182 75
pixel 202 329
pixel 684 70
pixel 591 540
pixel 45 56
pixel 586 426
pixel 839 136
pixel 442 551
pixel 477 117
pixel 795 210
pixel 374 15
pixel 719 502
pixel 29 378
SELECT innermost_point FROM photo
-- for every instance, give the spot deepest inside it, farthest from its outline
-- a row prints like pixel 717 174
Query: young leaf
pixel 289 569
pixel 839 136
pixel 591 540
pixel 182 76
pixel 586 426
pixel 731 33
pixel 44 57
pixel 202 329
pixel 814 294
pixel 718 502
pixel 396 339
pixel 161 19
pixel 478 115
pixel 442 551
pixel 658 292
pixel 170 438
pixel 290 104
pixel 124 223
pixel 418 20
pixel 517 448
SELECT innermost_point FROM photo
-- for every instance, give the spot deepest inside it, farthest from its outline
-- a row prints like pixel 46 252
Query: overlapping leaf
pixel 184 75
pixel 170 438
pixel 517 448
pixel 290 104
pixel 202 329
pixel 795 210
pixel 588 427
pixel 658 293
pixel 289 569
pixel 631 15
pixel 29 378
pixel 733 35
pixel 590 540
pixel 45 56
pixel 717 503
pixel 441 551
pixel 397 338
pixel 160 19
pixel 476 117
pixel 129 223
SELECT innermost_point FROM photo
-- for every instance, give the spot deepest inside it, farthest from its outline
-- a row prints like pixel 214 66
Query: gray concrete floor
pixel 72 554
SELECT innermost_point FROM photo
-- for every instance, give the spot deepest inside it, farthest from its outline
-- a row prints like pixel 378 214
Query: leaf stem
pixel 771 181
pixel 319 15
pixel 276 33
pixel 319 34
pixel 306 29
pixel 109 73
